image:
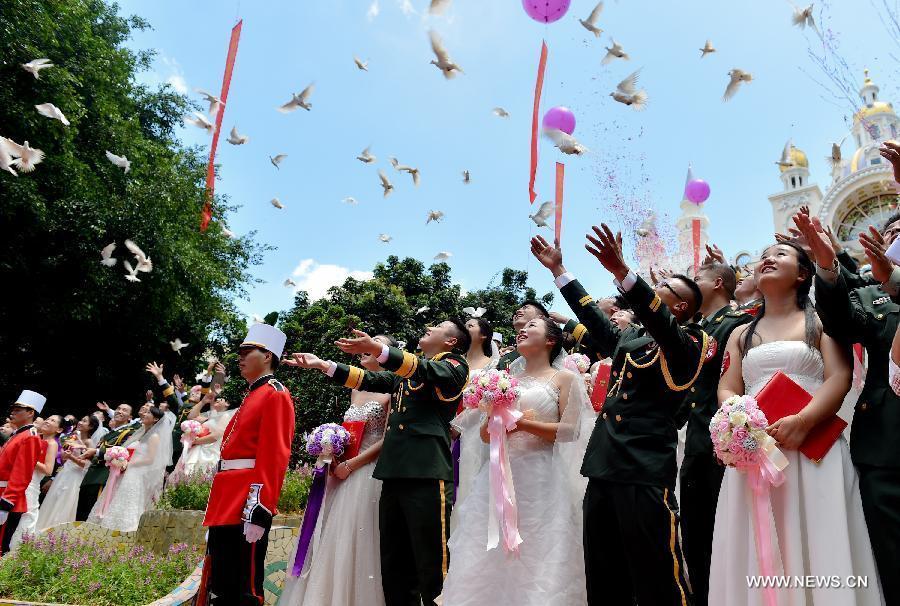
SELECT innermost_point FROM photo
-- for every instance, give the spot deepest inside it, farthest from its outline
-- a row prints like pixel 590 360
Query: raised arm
pixel 351 377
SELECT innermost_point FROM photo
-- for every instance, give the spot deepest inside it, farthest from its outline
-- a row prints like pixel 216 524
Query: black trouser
pixel 631 548
pixel 87 496
pixel 414 523
pixel 237 568
pixel 879 488
pixel 701 479
pixel 7 531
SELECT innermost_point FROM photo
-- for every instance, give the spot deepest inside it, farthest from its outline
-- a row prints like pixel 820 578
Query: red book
pixel 356 429
pixel 782 397
pixel 601 385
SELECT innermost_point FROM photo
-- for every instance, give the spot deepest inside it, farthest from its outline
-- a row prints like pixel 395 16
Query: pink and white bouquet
pixel 190 431
pixel 579 363
pixel 116 457
pixel 490 388
pixel 327 442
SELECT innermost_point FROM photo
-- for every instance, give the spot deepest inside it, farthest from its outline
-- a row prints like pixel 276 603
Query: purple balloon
pixel 697 191
pixel 561 118
pixel 546 11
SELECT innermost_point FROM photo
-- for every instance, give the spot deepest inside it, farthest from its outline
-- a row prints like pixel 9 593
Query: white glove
pixel 3 516
pixel 252 532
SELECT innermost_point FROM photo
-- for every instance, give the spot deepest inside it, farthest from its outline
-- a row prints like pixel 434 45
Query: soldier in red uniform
pixel 17 460
pixel 256 447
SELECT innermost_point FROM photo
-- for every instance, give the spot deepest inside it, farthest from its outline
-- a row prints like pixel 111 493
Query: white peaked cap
pixel 31 399
pixel 497 337
pixel 267 337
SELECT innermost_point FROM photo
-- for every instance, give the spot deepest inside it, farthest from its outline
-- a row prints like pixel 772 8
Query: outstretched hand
pixel 359 344
pixel 890 151
pixel 815 237
pixel 305 360
pixel 607 248
pixel 875 248
pixel 154 369
pixel 714 254
pixel 548 256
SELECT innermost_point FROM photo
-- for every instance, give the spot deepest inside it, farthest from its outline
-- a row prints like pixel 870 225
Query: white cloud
pixel 166 70
pixel 406 7
pixel 178 83
pixel 316 278
pixel 373 10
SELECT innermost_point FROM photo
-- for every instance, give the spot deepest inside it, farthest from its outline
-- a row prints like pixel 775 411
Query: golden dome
pixel 878 107
pixel 798 159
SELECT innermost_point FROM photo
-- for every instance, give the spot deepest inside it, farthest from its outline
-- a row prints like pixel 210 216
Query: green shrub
pixel 61 569
pixel 192 492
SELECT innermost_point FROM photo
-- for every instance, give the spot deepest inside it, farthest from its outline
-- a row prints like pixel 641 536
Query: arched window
pixel 793 182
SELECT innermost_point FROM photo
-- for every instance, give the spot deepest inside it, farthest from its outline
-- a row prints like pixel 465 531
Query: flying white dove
pixel 131 276
pixel 590 24
pixel 626 92
pixel 707 49
pixel 350 200
pixel 467 178
pixel 106 257
pixel 422 309
pixel 396 164
pixel 215 103
pixel 737 76
pixel 144 263
pixel 443 256
pixel 434 215
pixel 443 62
pixel 365 157
pixel 648 226
pixel 614 52
pixel 387 185
pixel 201 121
pixel 35 66
pixel 472 312
pixel 543 213
pixel 500 112
pixel 26 156
pixel 835 158
pixel 298 100
pixel 235 139
pixel 120 161
pixel 276 160
pixel 362 65
pixel 385 238
pixel 438 6
pixel 276 203
pixel 289 283
pixel 177 345
pixel 414 172
pixel 785 160
pixel 6 160
pixel 803 17
pixel 51 111
pixel 566 143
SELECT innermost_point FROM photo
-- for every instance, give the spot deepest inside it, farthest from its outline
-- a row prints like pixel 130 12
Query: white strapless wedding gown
pixel 138 486
pixel 816 513
pixel 549 570
pixel 343 565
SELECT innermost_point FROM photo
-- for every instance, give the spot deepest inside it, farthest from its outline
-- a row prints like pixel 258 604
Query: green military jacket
pixel 653 366
pixel 425 394
pixel 583 343
pixel 98 472
pixel 866 315
pixel 507 359
pixel 701 401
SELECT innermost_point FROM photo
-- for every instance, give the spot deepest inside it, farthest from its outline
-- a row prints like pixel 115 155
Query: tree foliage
pixel 72 328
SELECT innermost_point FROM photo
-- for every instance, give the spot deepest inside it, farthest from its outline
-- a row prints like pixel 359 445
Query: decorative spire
pixel 689 178
pixel 867 80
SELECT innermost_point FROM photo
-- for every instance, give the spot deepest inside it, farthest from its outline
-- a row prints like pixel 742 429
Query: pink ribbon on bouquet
pixel 503 512
pixel 110 490
pixel 761 476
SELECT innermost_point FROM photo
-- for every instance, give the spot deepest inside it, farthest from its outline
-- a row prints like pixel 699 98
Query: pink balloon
pixel 697 191
pixel 561 118
pixel 546 11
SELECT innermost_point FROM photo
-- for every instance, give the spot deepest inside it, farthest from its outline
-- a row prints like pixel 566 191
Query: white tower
pixel 798 191
pixel 684 259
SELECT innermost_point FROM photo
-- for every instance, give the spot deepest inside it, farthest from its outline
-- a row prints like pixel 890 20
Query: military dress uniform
pixel 17 460
pixel 96 475
pixel 583 343
pixel 701 472
pixel 867 315
pixel 415 467
pixel 631 545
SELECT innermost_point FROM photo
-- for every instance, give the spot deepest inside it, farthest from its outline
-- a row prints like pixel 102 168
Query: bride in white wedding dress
pixel 816 516
pixel 545 452
pixel 142 481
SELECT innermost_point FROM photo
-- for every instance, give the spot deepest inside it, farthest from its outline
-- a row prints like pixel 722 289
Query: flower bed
pixel 58 568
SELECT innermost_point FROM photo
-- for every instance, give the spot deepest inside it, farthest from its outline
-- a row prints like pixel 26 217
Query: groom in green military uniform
pixel 95 477
pixel 631 545
pixel 415 464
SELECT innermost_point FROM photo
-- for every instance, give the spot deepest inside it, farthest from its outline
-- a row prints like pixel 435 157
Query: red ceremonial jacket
pixel 261 429
pixel 17 460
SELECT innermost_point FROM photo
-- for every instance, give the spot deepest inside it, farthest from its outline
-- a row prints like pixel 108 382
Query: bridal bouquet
pixel 491 388
pixel 327 442
pixel 579 363
pixel 738 431
pixel 190 431
pixel 116 457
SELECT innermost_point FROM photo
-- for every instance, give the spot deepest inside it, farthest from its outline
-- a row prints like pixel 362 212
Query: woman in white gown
pixel 49 429
pixel 202 455
pixel 545 450
pixel 142 480
pixel 816 516
pixel 343 565
pixel 62 499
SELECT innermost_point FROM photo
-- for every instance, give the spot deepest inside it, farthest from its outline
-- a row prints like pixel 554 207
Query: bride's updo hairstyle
pixel 807 271
pixel 555 334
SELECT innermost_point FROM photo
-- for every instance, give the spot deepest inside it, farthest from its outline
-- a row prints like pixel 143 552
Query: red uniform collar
pixel 261 381
pixel 23 428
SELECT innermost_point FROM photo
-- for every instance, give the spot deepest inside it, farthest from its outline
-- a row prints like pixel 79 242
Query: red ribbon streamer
pixel 695 229
pixel 206 215
pixel 538 87
pixel 560 175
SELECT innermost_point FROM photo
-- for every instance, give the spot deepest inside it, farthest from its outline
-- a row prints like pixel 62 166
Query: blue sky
pixel 403 107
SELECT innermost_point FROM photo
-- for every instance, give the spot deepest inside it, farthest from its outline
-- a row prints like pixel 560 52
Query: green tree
pixel 503 299
pixel 74 329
